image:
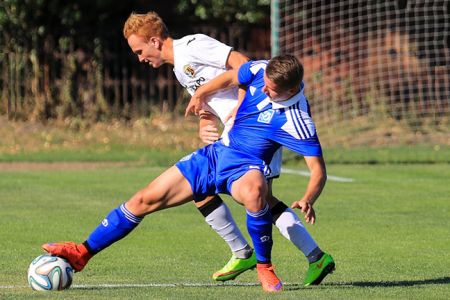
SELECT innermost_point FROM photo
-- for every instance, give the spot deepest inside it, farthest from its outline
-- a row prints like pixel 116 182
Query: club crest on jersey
pixel 266 116
pixel 189 71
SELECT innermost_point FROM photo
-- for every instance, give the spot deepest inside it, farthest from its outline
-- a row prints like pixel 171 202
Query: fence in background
pixel 376 72
pixel 50 78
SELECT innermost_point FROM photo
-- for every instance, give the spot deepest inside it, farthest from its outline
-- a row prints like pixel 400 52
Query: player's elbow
pixel 323 178
pixel 236 59
pixel 320 175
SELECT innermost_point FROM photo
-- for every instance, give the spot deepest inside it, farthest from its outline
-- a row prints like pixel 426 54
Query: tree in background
pixel 228 11
pixel 62 59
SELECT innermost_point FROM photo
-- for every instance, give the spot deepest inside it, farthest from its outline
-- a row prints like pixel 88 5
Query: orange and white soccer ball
pixel 49 273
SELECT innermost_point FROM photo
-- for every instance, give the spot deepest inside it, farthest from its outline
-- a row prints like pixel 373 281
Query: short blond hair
pixel 145 25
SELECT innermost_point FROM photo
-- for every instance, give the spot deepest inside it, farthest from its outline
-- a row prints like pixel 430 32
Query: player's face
pixel 147 51
pixel 275 93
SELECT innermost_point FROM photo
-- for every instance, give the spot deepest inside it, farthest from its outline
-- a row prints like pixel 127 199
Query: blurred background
pixel 377 73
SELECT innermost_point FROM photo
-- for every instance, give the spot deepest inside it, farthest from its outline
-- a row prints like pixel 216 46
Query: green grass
pixel 388 232
pixel 99 153
pixel 412 154
pixel 417 154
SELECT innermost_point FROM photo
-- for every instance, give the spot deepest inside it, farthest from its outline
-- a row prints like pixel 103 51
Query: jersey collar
pixel 291 101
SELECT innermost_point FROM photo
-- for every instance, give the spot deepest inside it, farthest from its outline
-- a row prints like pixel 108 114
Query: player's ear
pixel 293 91
pixel 156 42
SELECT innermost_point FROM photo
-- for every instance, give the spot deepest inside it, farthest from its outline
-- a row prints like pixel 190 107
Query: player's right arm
pixel 208 124
pixel 317 179
pixel 225 80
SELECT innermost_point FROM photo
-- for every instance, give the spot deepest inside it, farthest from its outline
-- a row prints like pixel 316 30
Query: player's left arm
pixel 317 180
pixel 235 60
pixel 241 95
pixel 208 127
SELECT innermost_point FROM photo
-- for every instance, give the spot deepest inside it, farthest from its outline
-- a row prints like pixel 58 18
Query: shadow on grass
pixel 287 286
pixel 401 283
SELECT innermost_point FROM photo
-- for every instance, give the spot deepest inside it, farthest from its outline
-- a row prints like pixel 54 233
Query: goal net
pixel 376 72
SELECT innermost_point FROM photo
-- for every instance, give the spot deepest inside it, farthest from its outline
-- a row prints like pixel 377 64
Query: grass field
pixel 162 139
pixel 388 230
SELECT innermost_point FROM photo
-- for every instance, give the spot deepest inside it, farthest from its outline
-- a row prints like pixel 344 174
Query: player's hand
pixel 194 106
pixel 307 210
pixel 209 134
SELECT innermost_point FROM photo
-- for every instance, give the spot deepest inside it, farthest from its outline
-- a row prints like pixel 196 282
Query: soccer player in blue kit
pixel 275 113
pixel 219 168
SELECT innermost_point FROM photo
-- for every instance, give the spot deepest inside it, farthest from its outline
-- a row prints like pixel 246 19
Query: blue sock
pixel 259 226
pixel 114 227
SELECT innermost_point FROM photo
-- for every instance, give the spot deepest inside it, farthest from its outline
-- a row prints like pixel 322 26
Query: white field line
pixel 180 284
pixel 306 173
pixel 298 172
pixel 145 285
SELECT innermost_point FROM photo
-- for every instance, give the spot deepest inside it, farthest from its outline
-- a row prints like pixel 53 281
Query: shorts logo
pixel 265 238
pixel 187 157
pixel 189 71
pixel 105 222
pixel 267 171
pixel 266 116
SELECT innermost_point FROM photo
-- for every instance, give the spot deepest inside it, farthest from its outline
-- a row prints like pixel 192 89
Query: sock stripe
pixel 130 217
pixel 259 213
pixel 211 206
pixel 277 210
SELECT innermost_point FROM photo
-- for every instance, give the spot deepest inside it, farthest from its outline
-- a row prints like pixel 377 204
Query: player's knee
pixel 254 196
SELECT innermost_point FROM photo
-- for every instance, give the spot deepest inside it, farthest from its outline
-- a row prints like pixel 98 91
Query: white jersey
pixel 199 58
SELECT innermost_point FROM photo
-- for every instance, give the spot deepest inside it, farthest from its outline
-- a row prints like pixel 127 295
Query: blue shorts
pixel 213 169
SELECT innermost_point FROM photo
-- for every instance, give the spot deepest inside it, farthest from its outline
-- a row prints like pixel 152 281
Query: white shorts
pixel 275 164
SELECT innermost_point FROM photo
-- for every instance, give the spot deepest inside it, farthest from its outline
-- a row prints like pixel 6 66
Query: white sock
pixel 291 227
pixel 223 223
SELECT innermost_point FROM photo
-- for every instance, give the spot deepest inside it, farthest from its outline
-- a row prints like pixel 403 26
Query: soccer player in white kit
pixel 197 59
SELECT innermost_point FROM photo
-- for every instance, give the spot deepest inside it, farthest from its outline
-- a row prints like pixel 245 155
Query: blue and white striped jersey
pixel 262 126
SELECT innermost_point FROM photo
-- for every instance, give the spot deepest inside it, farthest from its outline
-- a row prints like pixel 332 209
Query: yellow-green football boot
pixel 234 267
pixel 319 269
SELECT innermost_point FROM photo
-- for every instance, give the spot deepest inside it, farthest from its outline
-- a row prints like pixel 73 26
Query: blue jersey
pixel 262 126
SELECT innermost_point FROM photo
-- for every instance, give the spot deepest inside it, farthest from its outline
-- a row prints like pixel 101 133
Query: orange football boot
pixel 77 254
pixel 269 281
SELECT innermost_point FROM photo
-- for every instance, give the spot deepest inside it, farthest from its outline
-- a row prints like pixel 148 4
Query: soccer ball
pixel 49 273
